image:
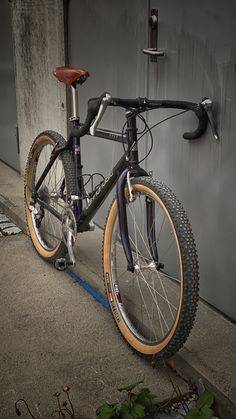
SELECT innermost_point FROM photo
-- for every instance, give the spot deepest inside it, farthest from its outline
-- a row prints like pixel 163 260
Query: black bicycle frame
pixel 84 216
pixel 128 162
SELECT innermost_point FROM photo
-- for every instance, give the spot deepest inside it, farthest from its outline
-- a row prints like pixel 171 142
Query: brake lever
pixel 104 104
pixel 207 105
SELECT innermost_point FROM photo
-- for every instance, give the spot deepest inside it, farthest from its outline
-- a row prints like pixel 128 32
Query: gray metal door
pixel 200 57
pixel 106 37
pixel 8 134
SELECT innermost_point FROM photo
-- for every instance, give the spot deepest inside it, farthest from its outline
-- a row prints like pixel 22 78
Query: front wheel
pixel 154 307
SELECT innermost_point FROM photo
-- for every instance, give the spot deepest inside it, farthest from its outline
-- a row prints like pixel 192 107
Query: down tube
pixel 89 212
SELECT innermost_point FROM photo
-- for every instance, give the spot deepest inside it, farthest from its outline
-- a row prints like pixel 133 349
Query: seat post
pixel 74 103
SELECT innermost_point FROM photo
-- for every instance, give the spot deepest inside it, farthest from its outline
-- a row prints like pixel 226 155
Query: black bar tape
pixel 129 103
pixel 143 103
pixel 178 104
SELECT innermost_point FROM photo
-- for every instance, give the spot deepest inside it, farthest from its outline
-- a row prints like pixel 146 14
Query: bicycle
pixel 150 261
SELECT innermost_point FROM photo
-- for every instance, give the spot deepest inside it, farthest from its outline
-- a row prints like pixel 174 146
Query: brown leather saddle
pixel 70 76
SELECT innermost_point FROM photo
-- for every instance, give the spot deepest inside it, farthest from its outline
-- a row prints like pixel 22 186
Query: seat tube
pixel 74 122
pixel 78 175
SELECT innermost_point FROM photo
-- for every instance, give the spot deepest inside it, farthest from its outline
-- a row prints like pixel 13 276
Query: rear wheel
pixel 45 228
pixel 154 307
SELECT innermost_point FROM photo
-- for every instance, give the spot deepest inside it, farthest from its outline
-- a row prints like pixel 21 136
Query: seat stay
pixel 49 208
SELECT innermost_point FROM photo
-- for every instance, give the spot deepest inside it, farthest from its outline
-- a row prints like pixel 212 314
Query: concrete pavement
pixel 208 356
pixel 54 333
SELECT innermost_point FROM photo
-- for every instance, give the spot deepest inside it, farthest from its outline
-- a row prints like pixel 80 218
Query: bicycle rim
pixel 44 227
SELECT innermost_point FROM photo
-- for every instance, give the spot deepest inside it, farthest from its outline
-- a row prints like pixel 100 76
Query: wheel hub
pixel 148 266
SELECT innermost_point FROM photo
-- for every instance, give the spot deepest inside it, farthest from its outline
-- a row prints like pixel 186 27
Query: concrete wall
pixel 38 33
pixel 8 134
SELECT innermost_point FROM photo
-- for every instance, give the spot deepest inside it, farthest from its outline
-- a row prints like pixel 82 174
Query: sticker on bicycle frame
pixel 117 291
pixel 77 149
pixel 109 287
pixel 109 293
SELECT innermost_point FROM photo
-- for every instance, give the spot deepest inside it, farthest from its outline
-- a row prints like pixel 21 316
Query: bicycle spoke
pixel 47 225
pixel 151 289
pixel 156 292
pixel 147 248
pixel 163 288
pixel 144 304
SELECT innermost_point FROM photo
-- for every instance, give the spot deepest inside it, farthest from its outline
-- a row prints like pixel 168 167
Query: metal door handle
pixel 153 33
pixel 153 52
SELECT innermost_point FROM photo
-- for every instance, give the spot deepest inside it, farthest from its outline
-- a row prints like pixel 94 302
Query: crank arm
pixel 69 243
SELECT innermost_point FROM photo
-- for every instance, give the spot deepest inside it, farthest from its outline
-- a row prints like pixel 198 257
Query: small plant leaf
pixel 138 411
pixel 193 414
pixel 207 413
pixel 206 399
pixel 126 406
pixel 144 392
pixel 106 411
pixel 144 395
pixel 130 387
pixel 131 410
pixel 204 413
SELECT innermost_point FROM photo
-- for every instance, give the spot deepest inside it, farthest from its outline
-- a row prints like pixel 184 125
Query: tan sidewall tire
pixel 60 250
pixel 128 336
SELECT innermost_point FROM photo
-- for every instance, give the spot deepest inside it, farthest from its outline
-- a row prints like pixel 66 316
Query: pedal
pixel 60 264
pixel 91 226
pixel 70 243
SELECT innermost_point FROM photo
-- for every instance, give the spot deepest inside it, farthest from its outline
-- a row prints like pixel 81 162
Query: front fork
pixel 123 224
pixel 122 216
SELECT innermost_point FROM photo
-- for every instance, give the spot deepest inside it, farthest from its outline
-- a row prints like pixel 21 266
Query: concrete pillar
pixel 38 33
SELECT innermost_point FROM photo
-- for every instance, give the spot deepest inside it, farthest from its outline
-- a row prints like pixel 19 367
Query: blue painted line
pixel 88 288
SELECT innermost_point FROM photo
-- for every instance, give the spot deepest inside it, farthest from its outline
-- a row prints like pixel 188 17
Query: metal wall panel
pixel 199 40
pixel 8 136
pixel 106 37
